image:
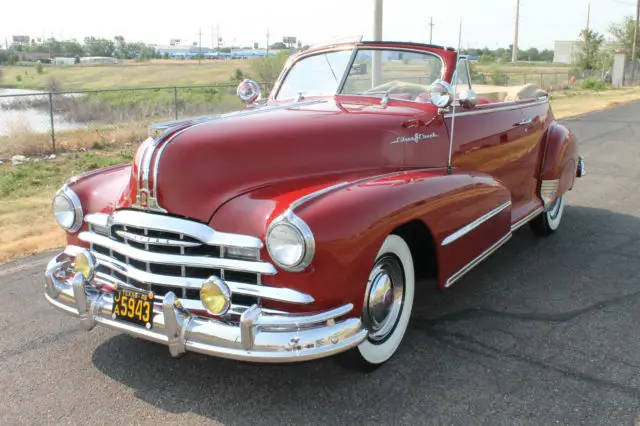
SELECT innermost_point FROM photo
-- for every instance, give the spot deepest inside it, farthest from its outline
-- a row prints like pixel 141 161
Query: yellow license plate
pixel 134 306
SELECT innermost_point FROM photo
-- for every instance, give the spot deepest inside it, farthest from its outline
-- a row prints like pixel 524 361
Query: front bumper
pixel 258 337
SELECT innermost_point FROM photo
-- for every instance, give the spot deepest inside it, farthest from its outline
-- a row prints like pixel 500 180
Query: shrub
pixel 18 78
pixel 237 76
pixel 498 76
pixel 267 69
pixel 592 84
pixel 39 68
pixel 53 84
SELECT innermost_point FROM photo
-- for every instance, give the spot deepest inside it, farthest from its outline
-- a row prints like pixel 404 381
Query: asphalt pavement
pixel 546 331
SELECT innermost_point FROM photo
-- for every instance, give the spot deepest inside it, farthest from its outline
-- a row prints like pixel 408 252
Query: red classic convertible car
pixel 299 227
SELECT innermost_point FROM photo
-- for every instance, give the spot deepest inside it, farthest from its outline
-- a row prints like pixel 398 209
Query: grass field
pixel 27 225
pixel 161 73
pixel 156 73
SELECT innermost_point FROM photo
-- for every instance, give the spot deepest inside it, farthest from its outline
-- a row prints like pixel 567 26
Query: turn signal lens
pixel 215 296
pixel 85 263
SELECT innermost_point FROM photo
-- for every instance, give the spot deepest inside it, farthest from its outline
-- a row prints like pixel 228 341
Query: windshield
pixel 402 74
pixel 315 75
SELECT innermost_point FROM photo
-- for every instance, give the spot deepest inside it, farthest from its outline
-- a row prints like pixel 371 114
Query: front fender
pixel 98 191
pixel 351 222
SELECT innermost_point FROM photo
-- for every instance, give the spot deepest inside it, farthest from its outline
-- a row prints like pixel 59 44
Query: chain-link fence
pixel 37 122
pixel 549 81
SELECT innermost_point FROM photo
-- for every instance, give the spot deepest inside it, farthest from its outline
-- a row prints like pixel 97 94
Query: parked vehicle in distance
pixel 299 228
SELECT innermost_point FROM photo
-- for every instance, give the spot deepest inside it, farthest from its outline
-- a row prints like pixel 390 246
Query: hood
pixel 202 166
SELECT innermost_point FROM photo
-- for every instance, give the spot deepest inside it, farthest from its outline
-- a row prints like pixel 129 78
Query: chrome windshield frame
pixel 355 48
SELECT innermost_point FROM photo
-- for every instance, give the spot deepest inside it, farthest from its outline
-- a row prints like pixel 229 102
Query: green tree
pixel 99 46
pixel 590 55
pixel 267 69
pixel 623 33
pixel 278 46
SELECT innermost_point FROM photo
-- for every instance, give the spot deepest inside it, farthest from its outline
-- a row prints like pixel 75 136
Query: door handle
pixel 524 122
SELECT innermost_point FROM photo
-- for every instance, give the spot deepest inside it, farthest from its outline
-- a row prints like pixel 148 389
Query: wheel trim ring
pixel 392 267
pixel 554 211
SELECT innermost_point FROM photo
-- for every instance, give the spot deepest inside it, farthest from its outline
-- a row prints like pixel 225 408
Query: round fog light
pixel 85 263
pixel 215 296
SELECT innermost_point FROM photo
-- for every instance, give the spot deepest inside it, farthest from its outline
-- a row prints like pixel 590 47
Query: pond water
pixel 28 120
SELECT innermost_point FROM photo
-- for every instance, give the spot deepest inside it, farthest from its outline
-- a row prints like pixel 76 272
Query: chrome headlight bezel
pixel 70 197
pixel 291 220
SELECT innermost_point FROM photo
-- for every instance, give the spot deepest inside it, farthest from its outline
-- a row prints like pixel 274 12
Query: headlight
pixel 67 209
pixel 290 242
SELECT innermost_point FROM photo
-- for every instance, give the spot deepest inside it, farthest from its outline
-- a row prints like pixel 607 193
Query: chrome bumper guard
pixel 259 336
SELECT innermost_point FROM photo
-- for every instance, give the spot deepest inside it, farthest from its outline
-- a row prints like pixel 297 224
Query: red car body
pixel 237 173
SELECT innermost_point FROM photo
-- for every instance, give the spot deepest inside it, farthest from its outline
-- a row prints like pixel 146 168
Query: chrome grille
pixel 161 254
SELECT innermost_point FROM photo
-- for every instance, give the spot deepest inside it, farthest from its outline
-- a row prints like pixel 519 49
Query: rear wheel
pixel 549 221
pixel 387 305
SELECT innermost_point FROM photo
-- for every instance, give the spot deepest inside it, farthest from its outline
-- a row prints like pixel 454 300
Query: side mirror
pixel 248 91
pixel 468 99
pixel 441 94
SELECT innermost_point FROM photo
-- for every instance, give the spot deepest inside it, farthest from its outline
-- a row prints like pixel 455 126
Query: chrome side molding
pixel 473 225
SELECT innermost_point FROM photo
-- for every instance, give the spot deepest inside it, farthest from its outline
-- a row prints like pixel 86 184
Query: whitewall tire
pixel 387 305
pixel 549 221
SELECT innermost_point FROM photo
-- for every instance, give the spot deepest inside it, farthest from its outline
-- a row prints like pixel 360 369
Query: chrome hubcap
pixel 383 301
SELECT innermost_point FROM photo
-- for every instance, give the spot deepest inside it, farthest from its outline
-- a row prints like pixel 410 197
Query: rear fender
pixel 559 165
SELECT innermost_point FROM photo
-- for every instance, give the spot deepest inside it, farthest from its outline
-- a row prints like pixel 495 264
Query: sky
pixel 485 23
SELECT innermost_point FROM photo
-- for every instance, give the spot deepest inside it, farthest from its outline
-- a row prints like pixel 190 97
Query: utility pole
pixel 514 55
pixel 199 44
pixel 376 58
pixel 213 35
pixel 634 50
pixel 586 29
pixel 431 24
pixel 267 55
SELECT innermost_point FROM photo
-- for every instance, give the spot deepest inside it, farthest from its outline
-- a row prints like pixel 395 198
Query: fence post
pixel 175 101
pixel 53 132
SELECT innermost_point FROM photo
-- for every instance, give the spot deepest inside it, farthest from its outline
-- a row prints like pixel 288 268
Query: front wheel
pixel 387 305
pixel 549 221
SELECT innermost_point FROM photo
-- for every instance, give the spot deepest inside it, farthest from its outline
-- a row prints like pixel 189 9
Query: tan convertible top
pixel 506 94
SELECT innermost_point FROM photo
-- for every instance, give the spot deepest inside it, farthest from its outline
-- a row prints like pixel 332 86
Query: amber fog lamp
pixel 215 296
pixel 85 263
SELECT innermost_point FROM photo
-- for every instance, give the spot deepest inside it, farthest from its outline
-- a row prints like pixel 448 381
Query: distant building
pixel 34 56
pixel 180 50
pixel 64 61
pixel 98 60
pixel 565 52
